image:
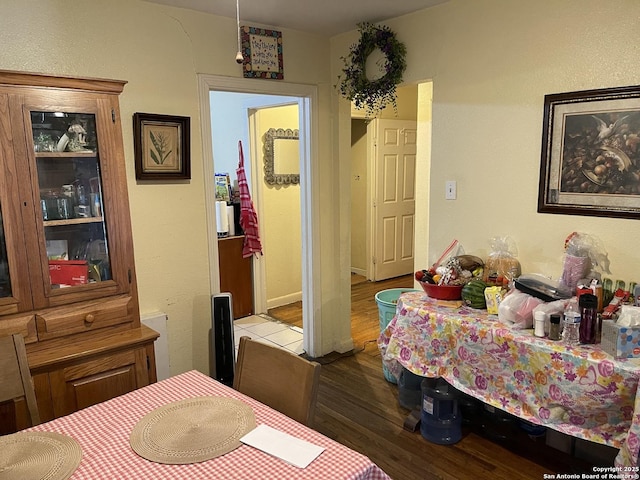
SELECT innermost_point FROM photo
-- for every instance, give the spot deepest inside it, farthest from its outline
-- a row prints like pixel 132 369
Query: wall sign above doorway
pixel 262 53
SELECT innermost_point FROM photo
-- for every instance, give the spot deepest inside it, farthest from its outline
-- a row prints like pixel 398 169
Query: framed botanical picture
pixel 591 153
pixel 161 146
pixel 262 53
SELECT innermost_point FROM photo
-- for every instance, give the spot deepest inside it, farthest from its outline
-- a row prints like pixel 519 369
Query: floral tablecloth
pixel 581 391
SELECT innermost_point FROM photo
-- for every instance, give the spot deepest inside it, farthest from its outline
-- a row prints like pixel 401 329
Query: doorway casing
pixel 309 189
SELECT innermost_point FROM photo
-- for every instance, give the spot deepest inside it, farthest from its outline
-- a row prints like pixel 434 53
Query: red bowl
pixel 442 292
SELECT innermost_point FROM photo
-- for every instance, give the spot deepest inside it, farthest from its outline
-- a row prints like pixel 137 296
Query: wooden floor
pixel 359 408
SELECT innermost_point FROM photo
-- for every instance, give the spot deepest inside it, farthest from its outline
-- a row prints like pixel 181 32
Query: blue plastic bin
pixel 387 300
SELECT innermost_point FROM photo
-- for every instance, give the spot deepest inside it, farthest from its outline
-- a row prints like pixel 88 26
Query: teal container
pixel 387 300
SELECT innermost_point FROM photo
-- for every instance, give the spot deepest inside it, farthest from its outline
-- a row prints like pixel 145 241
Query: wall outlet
pixel 450 190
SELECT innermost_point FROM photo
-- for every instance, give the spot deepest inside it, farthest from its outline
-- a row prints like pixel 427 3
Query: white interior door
pixel 393 150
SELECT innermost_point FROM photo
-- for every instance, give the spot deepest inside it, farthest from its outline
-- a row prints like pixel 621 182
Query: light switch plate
pixel 450 190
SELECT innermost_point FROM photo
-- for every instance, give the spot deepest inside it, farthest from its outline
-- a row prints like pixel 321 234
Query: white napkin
pixel 282 445
pixel 629 316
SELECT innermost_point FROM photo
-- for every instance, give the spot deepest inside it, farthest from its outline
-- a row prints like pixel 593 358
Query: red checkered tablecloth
pixel 103 433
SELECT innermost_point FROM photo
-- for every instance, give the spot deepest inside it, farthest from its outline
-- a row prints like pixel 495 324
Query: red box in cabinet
pixel 68 272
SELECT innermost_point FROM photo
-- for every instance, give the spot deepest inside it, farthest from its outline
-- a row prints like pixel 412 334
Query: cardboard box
pixel 620 342
pixel 560 441
pixel 68 272
pixel 595 453
pixel 493 297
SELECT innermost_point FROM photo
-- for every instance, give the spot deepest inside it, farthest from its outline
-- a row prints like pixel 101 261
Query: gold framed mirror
pixel 281 157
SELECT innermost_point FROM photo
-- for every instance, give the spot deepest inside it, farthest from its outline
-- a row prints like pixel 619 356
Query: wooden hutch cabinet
pixel 67 277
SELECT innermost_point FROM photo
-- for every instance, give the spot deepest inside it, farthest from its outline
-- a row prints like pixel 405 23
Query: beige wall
pixel 359 181
pixel 423 175
pixel 489 81
pixel 281 222
pixel 159 51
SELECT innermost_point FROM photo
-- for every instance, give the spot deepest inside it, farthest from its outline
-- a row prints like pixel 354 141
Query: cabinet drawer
pixel 82 317
pixel 24 324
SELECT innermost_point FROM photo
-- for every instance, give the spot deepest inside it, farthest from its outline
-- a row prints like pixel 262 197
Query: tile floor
pixel 268 330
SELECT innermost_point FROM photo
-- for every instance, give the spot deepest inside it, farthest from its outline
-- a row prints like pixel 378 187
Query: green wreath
pixel 373 95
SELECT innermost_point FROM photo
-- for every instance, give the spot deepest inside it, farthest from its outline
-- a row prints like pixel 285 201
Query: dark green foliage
pixel 373 95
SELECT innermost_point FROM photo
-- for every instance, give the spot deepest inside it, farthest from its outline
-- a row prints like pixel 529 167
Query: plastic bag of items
pixel 517 309
pixel 453 267
pixel 502 266
pixel 584 258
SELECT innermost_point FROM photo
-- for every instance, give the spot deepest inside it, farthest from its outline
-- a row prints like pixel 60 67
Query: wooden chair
pixel 15 377
pixel 277 378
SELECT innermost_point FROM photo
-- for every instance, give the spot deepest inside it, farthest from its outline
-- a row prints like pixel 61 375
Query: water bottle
pixel 571 331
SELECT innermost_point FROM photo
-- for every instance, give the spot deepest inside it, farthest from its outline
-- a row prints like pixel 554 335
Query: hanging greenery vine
pixel 373 95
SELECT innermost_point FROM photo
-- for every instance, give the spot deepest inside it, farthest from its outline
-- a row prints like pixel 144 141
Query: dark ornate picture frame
pixel 590 161
pixel 161 147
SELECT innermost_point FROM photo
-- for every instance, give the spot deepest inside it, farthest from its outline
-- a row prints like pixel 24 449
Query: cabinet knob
pixel 90 318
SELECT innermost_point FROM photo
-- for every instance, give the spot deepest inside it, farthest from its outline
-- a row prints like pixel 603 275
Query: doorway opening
pixel 274 136
pixel 305 97
pixel 386 155
pixel 364 313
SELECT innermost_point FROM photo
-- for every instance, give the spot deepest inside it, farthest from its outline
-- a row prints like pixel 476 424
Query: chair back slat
pixel 278 378
pixel 15 378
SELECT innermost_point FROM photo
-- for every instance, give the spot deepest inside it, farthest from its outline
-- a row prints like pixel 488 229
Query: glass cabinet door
pixel 68 169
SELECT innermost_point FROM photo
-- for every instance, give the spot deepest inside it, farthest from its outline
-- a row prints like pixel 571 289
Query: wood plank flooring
pixel 359 408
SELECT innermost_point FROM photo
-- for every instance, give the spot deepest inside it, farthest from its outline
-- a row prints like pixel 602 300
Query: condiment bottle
pixel 589 318
pixel 554 326
pixel 538 318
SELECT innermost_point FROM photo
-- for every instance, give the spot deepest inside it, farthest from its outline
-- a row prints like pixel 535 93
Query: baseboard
pixel 344 346
pixel 284 300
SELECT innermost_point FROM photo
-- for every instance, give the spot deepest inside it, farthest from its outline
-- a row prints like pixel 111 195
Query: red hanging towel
pixel 248 217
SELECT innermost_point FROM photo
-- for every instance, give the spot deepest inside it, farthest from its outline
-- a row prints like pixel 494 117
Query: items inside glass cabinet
pixel 5 281
pixel 63 132
pixel 68 169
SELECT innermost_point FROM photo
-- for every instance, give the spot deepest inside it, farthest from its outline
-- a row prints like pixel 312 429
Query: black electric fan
pixel 222 349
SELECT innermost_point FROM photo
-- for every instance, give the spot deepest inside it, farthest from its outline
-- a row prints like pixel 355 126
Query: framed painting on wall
pixel 262 53
pixel 591 153
pixel 161 146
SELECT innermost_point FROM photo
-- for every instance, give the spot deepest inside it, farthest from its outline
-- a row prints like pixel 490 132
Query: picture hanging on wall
pixel 262 53
pixel 161 146
pixel 591 153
